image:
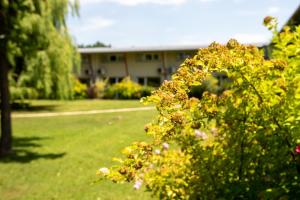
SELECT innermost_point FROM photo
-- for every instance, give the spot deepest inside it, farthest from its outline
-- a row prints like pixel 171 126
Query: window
pixel 114 80
pixel 183 55
pixel 149 81
pixel 141 80
pixel 113 58
pixel 172 70
pixel 153 81
pixel 116 58
pixel 148 57
pixel 85 59
pixel 87 72
pixel 155 57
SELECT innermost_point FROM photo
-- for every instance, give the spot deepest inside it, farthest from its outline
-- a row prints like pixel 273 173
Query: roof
pixel 147 49
pixel 141 49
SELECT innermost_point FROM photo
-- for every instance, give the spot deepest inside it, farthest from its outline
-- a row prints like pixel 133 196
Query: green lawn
pixel 78 105
pixel 57 157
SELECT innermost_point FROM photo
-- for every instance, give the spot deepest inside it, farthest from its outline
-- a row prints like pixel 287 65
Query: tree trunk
pixel 6 131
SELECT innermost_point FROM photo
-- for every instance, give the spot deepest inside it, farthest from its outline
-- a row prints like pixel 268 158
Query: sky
pixel 128 23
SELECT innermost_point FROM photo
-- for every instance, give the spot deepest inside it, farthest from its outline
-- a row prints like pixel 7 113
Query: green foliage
pixel 127 89
pixel 96 44
pixel 236 143
pixel 146 91
pixel 39 46
pixel 79 89
pixel 22 93
pixel 286 47
pixel 97 90
pixel 19 92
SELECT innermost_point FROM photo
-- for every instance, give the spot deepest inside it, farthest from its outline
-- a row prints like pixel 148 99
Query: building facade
pixel 146 66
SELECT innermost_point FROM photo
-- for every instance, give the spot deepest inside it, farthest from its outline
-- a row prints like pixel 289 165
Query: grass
pixel 57 157
pixel 78 105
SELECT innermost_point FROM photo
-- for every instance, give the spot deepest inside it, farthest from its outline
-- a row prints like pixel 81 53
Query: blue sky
pixel 126 23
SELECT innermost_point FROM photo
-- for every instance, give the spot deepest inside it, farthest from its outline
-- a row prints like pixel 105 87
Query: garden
pixel 226 126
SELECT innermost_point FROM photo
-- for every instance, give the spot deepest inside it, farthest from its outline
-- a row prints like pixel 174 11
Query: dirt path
pixel 89 112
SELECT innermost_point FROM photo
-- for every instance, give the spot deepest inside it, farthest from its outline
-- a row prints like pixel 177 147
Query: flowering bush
pixel 127 89
pixel 79 89
pixel 240 143
pixel 97 90
pixel 146 91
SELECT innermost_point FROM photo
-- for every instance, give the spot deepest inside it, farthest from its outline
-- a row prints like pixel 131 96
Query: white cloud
pixel 247 13
pixel 92 24
pixel 193 40
pixel 273 10
pixel 238 1
pixel 252 38
pixel 205 1
pixel 270 11
pixel 137 2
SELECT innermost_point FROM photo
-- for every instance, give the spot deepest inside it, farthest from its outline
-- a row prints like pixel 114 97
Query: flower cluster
pixel 201 134
pixel 138 184
pixel 103 171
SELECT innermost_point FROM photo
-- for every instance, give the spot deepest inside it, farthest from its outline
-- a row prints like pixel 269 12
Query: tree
pixel 35 44
pixel 96 44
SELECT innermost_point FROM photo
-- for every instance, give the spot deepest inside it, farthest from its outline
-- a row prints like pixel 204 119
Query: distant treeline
pixel 96 44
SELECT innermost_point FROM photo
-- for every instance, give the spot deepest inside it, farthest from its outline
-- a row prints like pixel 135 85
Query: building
pixel 146 66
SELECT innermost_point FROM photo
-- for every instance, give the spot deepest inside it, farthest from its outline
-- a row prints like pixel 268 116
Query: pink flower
pixel 103 171
pixel 157 151
pixel 165 146
pixel 200 134
pixel 214 131
pixel 297 149
pixel 137 184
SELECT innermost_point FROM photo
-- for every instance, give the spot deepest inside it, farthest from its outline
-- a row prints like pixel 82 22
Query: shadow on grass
pixel 25 106
pixel 24 152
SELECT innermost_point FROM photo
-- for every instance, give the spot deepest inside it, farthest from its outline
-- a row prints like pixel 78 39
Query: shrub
pixel 110 93
pixel 19 90
pixel 97 90
pixel 242 142
pixel 79 89
pixel 22 93
pixel 126 89
pixel 101 87
pixel 146 91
